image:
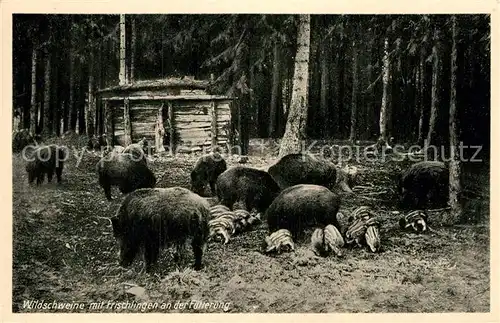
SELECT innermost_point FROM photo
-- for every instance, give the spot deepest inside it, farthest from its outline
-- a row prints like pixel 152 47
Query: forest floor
pixel 64 251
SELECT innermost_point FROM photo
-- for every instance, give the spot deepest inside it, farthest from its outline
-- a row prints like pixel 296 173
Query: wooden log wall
pixel 193 121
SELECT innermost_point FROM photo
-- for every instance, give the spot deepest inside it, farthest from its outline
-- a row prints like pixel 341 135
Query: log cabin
pixel 172 114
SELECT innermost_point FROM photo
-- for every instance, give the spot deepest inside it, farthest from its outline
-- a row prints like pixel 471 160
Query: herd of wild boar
pixel 298 192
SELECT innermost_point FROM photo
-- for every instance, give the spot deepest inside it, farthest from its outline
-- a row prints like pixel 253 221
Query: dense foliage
pixel 252 57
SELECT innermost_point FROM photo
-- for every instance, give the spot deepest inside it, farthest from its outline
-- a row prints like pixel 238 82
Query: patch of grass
pixel 64 251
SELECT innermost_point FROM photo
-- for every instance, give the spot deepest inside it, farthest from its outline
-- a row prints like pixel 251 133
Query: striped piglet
pixel 326 241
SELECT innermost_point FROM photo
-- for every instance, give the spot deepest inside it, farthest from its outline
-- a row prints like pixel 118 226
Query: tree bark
pixel 340 82
pixel 213 125
pixel 285 103
pixel 253 109
pixel 73 111
pixel 127 127
pixel 436 73
pixel 122 75
pixel 324 88
pixel 39 116
pixel 454 167
pixel 33 112
pixel 90 113
pixel 243 111
pixel 420 97
pixel 354 98
pixel 98 85
pixel 297 118
pixel 77 126
pixel 370 113
pixel 103 61
pixel 334 110
pixel 275 90
pixel 56 98
pixel 65 116
pixel 108 124
pixel 385 92
pixel 71 101
pixel 133 50
pixel 46 96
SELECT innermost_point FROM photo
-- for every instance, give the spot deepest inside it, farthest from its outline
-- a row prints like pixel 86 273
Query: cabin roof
pixel 186 83
pixel 201 97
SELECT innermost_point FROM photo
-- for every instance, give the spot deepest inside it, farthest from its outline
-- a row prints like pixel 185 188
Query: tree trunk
pixel 26 106
pixel 108 124
pixel 385 92
pixel 285 103
pixel 39 115
pixel 275 90
pixel 436 67
pixel 455 187
pixel 127 127
pixel 90 107
pixel 314 79
pixel 324 89
pixel 33 112
pixel 56 98
pixel 340 83
pixel 420 97
pixel 253 109
pixel 97 82
pixel 133 50
pixel 77 126
pixel 354 102
pixel 370 114
pixel 102 82
pixel 122 75
pixel 46 96
pixel 243 111
pixel 213 125
pixel 73 112
pixel 65 116
pixel 297 118
pixel 334 110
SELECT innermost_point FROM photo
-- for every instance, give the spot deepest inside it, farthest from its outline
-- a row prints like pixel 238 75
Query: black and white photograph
pixel 251 163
